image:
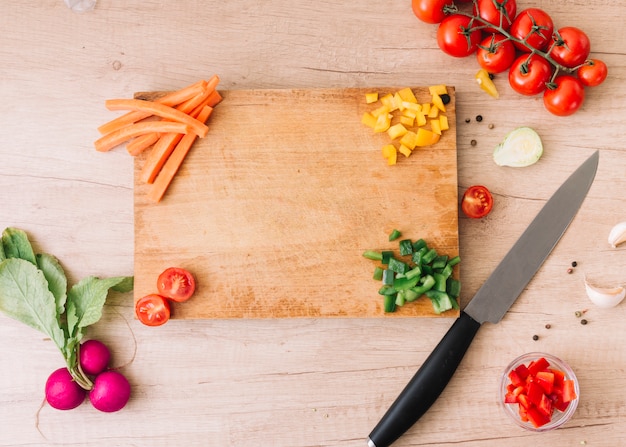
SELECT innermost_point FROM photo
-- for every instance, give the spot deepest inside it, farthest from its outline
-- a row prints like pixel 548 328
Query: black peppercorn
pixel 535 337
pixel 574 264
pixel 445 98
pixel 473 142
pixel 583 321
pixel 548 326
pixel 479 118
pixel 467 120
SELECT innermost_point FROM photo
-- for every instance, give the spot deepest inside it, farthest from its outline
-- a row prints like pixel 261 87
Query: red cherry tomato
pixel 495 53
pixel 152 310
pixel 430 11
pixel 537 25
pixel 529 74
pixel 496 12
pixel 477 202
pixel 572 47
pixel 455 36
pixel 566 98
pixel 593 73
pixel 176 284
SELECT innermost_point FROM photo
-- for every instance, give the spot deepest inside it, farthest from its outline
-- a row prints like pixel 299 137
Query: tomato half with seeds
pixel 477 202
pixel 176 284
pixel 152 310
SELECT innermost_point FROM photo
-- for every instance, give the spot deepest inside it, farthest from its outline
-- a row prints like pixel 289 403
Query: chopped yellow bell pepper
pixel 425 137
pixel 421 119
pixel 404 150
pixel 435 125
pixel 382 110
pixel 407 95
pixel 369 120
pixel 390 153
pixel 438 102
pixel 409 139
pixel 396 131
pixel 438 90
pixel 407 120
pixel 371 97
pixel 382 123
pixel 485 82
pixel 434 112
pixel 426 108
pixel 443 122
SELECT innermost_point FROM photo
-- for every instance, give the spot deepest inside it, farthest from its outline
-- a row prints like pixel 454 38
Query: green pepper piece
pixel 378 274
pixel 389 303
pixel 439 262
pixel 395 234
pixel 406 247
pixel 405 283
pixel 373 255
pixel 386 256
pixel 419 244
pixel 398 266
pixel 429 256
pixel 388 277
pixel 453 287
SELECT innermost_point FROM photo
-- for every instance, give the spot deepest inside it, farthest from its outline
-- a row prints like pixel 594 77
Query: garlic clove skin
pixel 605 297
pixel 617 234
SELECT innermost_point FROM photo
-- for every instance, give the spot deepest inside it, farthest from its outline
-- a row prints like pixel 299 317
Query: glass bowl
pixel 512 409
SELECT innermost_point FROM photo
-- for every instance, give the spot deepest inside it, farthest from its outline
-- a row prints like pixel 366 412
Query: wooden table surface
pixel 299 382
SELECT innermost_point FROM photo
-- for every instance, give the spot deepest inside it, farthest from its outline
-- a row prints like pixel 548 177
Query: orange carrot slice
pixel 155 108
pixel 170 99
pixel 141 143
pixel 117 137
pixel 175 160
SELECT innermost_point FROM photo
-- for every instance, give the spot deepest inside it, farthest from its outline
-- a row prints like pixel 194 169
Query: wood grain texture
pixel 273 210
pixel 299 382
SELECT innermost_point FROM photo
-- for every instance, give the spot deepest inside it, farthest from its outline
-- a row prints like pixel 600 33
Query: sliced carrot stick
pixel 155 108
pixel 214 98
pixel 170 99
pixel 163 148
pixel 141 143
pixel 175 160
pixel 158 156
pixel 117 137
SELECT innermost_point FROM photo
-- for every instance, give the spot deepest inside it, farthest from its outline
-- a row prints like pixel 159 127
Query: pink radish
pixel 62 392
pixel 110 391
pixel 94 357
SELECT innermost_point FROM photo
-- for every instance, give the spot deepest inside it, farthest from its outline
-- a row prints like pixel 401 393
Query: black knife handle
pixel 427 383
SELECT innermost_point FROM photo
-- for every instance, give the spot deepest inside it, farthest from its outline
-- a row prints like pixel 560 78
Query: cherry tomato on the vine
pixel 537 25
pixel 592 73
pixel 529 74
pixel 455 36
pixel 176 284
pixel 566 96
pixel 495 53
pixel 430 11
pixel 572 47
pixel 152 310
pixel 497 12
pixel 477 202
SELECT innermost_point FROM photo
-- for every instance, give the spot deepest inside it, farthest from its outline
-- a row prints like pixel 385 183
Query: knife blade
pixel 489 304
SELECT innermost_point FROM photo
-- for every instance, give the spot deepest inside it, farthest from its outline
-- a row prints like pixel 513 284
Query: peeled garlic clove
pixel 605 297
pixel 617 234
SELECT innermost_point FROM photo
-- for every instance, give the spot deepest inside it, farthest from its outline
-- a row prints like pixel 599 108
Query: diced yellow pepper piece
pixel 382 110
pixel 438 102
pixel 438 90
pixel 434 112
pixel 407 95
pixel 397 100
pixel 421 119
pixel 426 108
pixel 382 123
pixel 435 125
pixel 369 120
pixel 482 77
pixel 426 137
pixel 408 121
pixel 388 149
pixel 396 131
pixel 443 122
pixel 411 106
pixel 409 139
pixel 371 97
pixel 389 102
pixel 404 150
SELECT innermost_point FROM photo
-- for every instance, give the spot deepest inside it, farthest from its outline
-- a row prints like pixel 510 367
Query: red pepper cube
pixel 557 403
pixel 522 371
pixel 515 379
pixel 510 398
pixel 541 364
pixel 559 377
pixel 545 406
pixel 523 401
pixel 536 417
pixel 569 391
pixel 535 392
pixel 523 414
pixel 546 380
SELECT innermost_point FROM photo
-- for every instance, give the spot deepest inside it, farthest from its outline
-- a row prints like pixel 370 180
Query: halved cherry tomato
pixel 537 25
pixel 477 202
pixel 457 36
pixel 593 73
pixel 176 284
pixel 566 97
pixel 529 74
pixel 152 310
pixel 496 12
pixel 496 53
pixel 572 47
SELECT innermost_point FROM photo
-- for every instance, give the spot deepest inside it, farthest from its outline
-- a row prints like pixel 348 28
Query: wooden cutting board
pixel 274 208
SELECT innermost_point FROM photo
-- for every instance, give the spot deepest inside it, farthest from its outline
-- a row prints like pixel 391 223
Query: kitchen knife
pixel 490 304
